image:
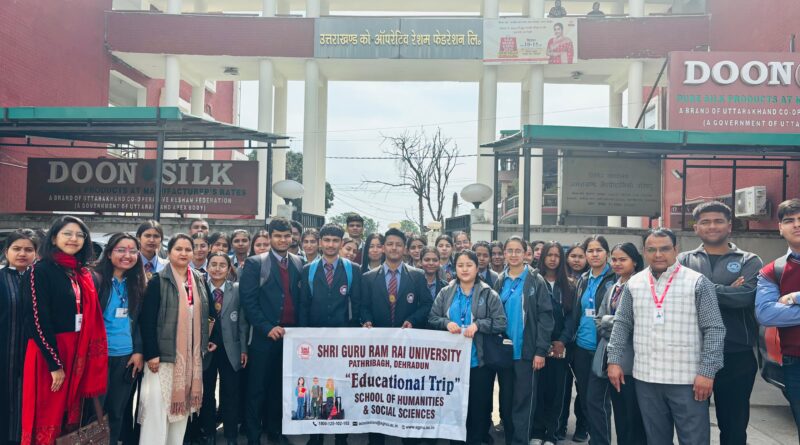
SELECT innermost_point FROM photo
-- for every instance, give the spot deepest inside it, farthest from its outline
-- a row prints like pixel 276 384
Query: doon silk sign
pixel 737 92
pixel 128 185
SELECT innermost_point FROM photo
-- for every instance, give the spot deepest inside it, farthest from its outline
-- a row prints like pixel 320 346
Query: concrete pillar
pixel 636 8
pixel 322 142
pixel 524 111
pixel 279 127
pixel 313 198
pixel 283 7
pixel 172 81
pixel 491 9
pixel 325 8
pixel 536 117
pixel 635 104
pixel 268 8
pixel 614 121
pixel 487 127
pixel 312 10
pixel 174 6
pixel 198 109
pixel 201 6
pixel 265 81
pixel 535 8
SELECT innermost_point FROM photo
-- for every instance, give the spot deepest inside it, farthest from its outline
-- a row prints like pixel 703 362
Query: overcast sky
pixel 360 113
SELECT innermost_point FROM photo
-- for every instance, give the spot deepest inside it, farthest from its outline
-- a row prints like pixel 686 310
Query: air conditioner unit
pixel 751 202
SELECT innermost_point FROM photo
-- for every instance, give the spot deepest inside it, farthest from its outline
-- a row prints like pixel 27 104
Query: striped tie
pixel 329 274
pixel 392 293
pixel 218 301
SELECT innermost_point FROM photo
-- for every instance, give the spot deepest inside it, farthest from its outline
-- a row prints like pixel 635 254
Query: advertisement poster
pixel 534 41
pixel 400 382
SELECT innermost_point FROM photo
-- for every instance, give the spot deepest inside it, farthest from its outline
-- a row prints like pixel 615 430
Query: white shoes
pixel 535 442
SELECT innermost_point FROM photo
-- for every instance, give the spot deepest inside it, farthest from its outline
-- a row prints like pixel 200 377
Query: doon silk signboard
pixel 735 92
pixel 128 185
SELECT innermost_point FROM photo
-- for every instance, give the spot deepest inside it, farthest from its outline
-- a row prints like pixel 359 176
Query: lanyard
pixel 514 285
pixel 464 304
pixel 598 279
pixel 660 301
pixel 77 290
pixel 615 298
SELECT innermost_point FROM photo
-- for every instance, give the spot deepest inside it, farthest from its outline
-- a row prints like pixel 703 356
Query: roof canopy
pixel 655 143
pixel 120 125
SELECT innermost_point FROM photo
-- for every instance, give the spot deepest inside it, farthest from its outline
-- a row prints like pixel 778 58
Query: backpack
pixel 778 267
pixel 266 266
pixel 312 271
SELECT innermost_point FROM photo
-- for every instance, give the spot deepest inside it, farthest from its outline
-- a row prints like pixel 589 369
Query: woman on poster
pixel 560 49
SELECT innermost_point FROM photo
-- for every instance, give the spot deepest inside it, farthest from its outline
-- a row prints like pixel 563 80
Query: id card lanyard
pixel 659 301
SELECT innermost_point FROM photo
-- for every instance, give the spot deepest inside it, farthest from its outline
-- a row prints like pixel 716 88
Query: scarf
pixel 187 374
pixel 89 374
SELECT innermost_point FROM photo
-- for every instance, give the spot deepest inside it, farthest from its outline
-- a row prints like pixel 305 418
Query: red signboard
pixel 734 92
pixel 128 185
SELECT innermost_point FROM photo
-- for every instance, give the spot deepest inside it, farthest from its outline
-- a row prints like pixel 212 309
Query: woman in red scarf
pixel 66 356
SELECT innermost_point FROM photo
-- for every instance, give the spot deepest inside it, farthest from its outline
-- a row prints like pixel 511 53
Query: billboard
pixel 531 41
pixel 128 185
pixel 734 92
pixel 610 186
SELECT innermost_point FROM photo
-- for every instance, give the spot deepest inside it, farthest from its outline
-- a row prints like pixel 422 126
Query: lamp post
pixel 434 230
pixel 480 226
pixel 287 189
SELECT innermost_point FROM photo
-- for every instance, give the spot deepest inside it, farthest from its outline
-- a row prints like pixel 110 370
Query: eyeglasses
pixel 67 234
pixel 514 251
pixel 663 249
pixel 123 251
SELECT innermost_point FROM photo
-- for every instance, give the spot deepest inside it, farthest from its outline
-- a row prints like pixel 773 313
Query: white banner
pixel 400 382
pixel 524 40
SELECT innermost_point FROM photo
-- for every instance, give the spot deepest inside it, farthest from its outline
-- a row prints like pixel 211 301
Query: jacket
pixel 335 306
pixel 413 299
pixel 263 304
pixel 159 318
pixel 487 313
pixel 605 324
pixel 736 304
pixel 492 278
pixel 563 323
pixel 232 325
pixel 538 310
pixel 133 313
pixel 583 282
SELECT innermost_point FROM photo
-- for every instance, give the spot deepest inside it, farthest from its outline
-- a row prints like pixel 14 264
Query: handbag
pixel 498 349
pixel 96 432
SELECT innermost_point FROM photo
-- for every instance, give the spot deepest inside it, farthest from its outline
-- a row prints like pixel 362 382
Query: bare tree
pixel 424 164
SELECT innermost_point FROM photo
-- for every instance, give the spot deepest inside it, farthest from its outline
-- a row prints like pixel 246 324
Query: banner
pixel 128 185
pixel 400 382
pixel 734 92
pixel 533 41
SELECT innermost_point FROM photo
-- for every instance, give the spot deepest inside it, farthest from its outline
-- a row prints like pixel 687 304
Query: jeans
pixel 791 378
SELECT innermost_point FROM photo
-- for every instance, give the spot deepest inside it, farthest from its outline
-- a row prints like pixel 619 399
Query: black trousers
pixel 598 412
pixel 627 416
pixel 117 395
pixel 580 418
pixel 582 367
pixel 732 387
pixel 228 394
pixel 265 374
pixel 480 402
pixel 550 391
pixel 518 396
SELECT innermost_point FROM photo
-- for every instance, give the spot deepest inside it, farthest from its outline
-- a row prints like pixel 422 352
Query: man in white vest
pixel 678 335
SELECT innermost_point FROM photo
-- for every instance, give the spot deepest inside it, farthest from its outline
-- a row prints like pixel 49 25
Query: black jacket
pixel 538 314
pixel 263 305
pixel 413 299
pixel 335 306
pixel 564 324
pixel 583 282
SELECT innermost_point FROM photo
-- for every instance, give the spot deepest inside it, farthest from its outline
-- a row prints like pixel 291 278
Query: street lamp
pixel 287 189
pixel 476 194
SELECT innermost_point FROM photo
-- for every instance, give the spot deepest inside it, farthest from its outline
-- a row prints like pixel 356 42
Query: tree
pixel 424 164
pixel 370 226
pixel 407 226
pixel 294 171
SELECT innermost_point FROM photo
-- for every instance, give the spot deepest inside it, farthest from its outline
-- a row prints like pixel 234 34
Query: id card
pixel 122 312
pixel 658 316
pixel 78 322
pixel 590 312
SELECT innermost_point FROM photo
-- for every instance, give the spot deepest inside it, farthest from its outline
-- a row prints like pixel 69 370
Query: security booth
pixel 143 176
pixel 580 172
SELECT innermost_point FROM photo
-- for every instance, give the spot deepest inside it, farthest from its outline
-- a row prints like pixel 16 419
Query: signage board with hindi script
pixel 531 41
pixel 128 185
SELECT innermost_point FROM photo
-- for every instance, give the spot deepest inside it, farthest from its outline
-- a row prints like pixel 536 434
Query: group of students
pixel 649 336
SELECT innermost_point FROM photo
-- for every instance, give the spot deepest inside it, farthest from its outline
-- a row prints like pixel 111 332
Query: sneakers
pixel 580 436
pixel 548 443
pixel 535 442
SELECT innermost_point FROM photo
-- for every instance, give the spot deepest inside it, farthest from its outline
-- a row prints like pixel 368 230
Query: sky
pixel 361 114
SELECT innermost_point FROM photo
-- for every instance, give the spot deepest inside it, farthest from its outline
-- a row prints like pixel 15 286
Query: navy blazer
pixel 413 299
pixel 263 305
pixel 335 306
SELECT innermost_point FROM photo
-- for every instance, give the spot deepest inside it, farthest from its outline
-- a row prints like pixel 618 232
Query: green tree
pixel 370 226
pixel 294 171
pixel 407 225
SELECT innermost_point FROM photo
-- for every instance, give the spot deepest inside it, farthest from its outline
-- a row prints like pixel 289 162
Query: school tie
pixel 218 301
pixel 329 274
pixel 392 293
pixel 148 267
pixel 284 263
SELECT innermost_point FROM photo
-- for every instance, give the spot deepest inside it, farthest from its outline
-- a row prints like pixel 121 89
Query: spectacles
pixel 514 252
pixel 123 251
pixel 663 249
pixel 68 235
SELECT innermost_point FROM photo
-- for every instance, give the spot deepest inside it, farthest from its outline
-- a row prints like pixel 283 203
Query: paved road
pixel 771 423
